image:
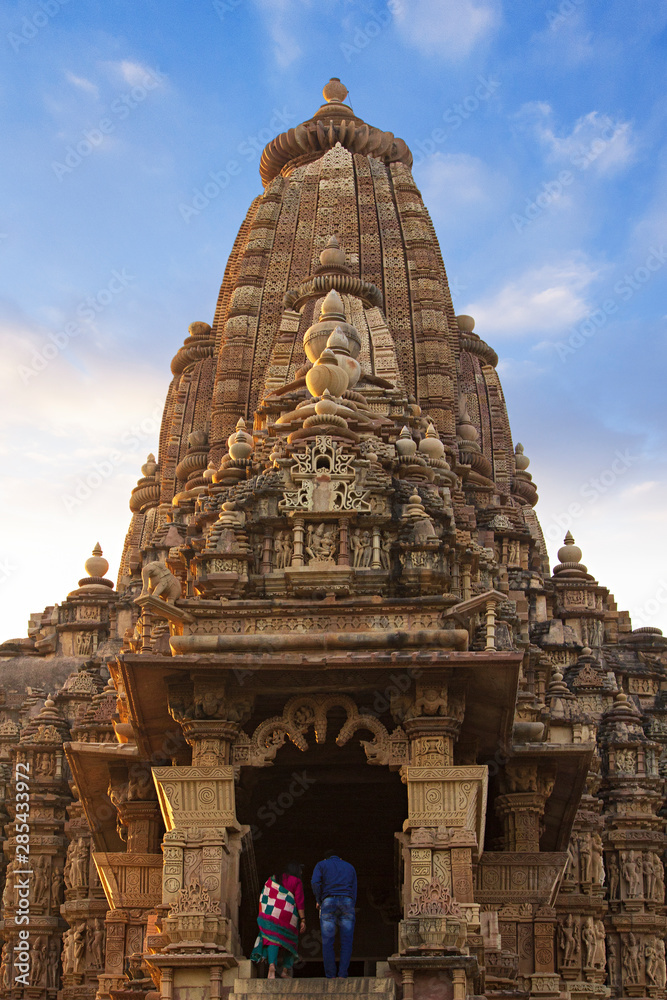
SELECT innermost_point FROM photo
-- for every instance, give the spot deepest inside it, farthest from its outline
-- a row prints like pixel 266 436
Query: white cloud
pixel 281 17
pixel 449 29
pixel 542 301
pixel 134 74
pixel 73 438
pixel 82 83
pixel 596 141
pixel 458 177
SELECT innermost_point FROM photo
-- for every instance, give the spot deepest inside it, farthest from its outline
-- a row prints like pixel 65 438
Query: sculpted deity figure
pixel 612 870
pixel 597 859
pixel 38 961
pixel 5 967
pixel 385 551
pixel 599 959
pixel 78 864
pixel 41 889
pixel 53 962
pixel 572 863
pixel 651 961
pixel 585 857
pixel 56 885
pixel 568 940
pixel 68 951
pixel 257 553
pixel 8 892
pixel 659 872
pixel 589 941
pixel 430 701
pixel 282 547
pixel 321 543
pixel 660 973
pixel 632 873
pixel 361 542
pixel 630 959
pixel 612 959
pixel 79 946
pixel 97 944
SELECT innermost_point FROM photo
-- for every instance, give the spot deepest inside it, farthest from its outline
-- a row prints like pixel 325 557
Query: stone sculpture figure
pixel 649 876
pixel 612 869
pixel 568 940
pixel 632 873
pixel 612 958
pixel 599 958
pixel 78 864
pixel 659 890
pixel 52 964
pixel 589 941
pixel 361 543
pixel 158 581
pixel 630 959
pixel 660 972
pixel 283 549
pixel 321 543
pixel 385 551
pixel 38 961
pixel 68 951
pixel 56 885
pixel 651 961
pixel 5 967
pixel 79 946
pixel 585 857
pixel 140 785
pixel 40 890
pixel 97 944
pixel 597 859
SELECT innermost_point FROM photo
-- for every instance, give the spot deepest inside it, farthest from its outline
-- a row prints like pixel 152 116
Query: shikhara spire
pixel 335 555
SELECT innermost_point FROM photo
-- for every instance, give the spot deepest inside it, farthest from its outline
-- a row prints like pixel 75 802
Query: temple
pixel 335 625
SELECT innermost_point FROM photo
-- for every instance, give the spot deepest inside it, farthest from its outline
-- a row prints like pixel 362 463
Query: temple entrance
pixel 328 798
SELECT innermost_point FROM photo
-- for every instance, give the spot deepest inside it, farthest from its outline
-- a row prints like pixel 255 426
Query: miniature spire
pixel 570 564
pixel 332 255
pixel 431 445
pixel 405 445
pixel 521 460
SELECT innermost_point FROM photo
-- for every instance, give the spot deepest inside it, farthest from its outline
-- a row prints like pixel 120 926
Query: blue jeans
pixel 337 911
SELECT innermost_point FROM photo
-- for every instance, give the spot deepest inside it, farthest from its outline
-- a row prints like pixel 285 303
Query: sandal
pixel 272 972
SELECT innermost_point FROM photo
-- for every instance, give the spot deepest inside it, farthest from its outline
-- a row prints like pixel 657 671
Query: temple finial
pixel 334 92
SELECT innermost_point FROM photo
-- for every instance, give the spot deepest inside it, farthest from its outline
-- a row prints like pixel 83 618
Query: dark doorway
pixel 328 797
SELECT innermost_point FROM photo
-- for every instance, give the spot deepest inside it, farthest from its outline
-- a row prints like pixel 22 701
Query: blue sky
pixel 538 132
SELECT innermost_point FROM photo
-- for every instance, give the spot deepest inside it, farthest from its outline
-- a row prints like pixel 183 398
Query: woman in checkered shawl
pixel 281 918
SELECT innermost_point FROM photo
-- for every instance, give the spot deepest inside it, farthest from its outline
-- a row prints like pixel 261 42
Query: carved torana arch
pixel 305 711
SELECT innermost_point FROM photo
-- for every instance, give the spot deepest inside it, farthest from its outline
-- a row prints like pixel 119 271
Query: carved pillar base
pixel 193 977
pixel 443 977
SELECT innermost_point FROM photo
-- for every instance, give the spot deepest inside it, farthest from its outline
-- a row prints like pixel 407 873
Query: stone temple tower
pixel 335 626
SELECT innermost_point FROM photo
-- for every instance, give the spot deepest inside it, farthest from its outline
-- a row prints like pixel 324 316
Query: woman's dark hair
pixel 290 868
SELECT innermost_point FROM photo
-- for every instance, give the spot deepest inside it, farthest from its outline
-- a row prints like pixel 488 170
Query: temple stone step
pixel 362 988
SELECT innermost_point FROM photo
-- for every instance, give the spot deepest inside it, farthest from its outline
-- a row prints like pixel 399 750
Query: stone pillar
pixel 202 846
pixel 521 806
pixel 297 537
pixel 132 880
pixel 343 543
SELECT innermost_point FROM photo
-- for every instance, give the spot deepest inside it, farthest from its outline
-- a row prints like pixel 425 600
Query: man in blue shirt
pixel 334 883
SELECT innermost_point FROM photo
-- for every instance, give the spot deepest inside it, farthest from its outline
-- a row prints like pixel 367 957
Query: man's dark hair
pixel 331 854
